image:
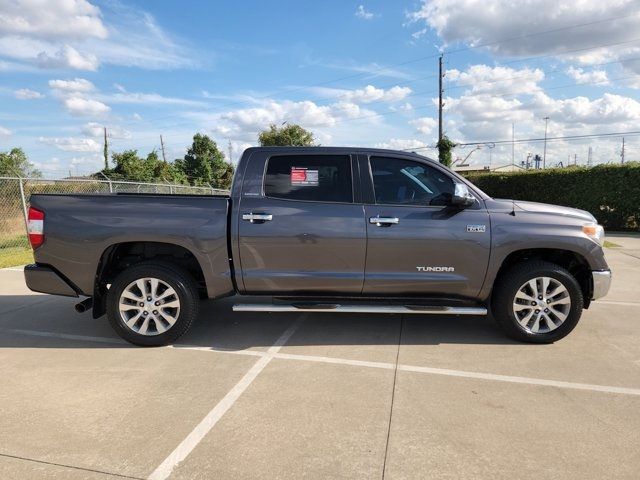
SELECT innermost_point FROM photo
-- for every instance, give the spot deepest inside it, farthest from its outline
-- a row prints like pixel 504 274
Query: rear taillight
pixel 35 227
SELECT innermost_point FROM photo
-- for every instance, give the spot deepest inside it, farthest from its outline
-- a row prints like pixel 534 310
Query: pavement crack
pixel 92 470
pixel 393 396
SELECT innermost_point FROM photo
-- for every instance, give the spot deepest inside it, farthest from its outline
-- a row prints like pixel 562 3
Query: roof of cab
pixel 337 150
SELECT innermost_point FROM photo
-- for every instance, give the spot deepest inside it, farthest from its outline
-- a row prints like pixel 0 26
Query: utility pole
pixel 513 144
pixel 106 150
pixel 164 158
pixel 544 154
pixel 440 104
pixel 230 151
pixel 575 159
pixel 622 152
pixel 590 157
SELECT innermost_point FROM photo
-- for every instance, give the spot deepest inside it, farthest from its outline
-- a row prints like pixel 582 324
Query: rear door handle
pixel 257 217
pixel 384 221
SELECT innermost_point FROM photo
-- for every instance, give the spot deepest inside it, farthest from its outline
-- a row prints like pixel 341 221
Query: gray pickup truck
pixel 343 230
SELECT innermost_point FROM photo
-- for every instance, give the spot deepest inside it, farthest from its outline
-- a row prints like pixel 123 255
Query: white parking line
pixel 198 433
pixel 273 352
pixel 613 302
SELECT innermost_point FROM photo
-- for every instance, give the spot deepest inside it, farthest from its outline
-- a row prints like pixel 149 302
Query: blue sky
pixel 354 73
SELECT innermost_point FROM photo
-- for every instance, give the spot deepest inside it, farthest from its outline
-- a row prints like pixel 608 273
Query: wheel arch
pixel 120 256
pixel 575 263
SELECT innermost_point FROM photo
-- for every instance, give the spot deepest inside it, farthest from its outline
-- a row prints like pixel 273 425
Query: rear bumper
pixel 44 279
pixel 601 283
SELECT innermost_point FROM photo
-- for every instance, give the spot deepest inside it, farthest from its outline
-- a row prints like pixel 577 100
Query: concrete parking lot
pixel 320 396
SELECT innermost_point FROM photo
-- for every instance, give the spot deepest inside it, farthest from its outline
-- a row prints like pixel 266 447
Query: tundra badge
pixel 477 228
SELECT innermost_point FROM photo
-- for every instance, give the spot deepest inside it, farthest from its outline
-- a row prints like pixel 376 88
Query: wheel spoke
pixel 132 321
pixel 533 284
pixel 551 325
pixel 561 315
pixel 170 319
pixel 524 296
pixel 556 291
pixel 518 307
pixel 524 321
pixel 171 304
pixel 131 296
pixel 561 301
pixel 125 307
pixel 154 287
pixel 160 327
pixel 535 328
pixel 144 327
pixel 167 293
pixel 545 285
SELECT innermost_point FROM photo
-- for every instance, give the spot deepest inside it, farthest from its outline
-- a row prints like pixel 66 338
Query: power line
pixel 631 133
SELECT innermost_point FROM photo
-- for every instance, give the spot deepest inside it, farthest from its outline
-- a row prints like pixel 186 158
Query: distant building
pixel 486 169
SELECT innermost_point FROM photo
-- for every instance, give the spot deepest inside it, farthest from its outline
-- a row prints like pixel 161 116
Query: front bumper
pixel 601 283
pixel 44 279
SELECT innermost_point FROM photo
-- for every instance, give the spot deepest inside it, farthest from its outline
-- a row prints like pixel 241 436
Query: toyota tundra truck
pixel 320 229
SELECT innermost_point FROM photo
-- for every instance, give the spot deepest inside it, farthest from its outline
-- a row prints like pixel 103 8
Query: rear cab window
pixel 312 178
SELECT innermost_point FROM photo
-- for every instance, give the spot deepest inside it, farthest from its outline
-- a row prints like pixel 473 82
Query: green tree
pixel 288 135
pixel 445 145
pixel 204 163
pixel 15 162
pixel 129 166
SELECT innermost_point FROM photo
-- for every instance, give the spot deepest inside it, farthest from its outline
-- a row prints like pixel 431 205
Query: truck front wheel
pixel 152 304
pixel 537 302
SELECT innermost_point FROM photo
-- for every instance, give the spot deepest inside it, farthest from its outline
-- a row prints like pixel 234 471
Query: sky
pixel 354 73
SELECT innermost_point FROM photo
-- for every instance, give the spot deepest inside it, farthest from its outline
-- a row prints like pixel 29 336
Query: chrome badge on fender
pixel 477 228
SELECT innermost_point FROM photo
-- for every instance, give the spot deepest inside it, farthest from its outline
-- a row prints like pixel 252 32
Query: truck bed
pixel 80 229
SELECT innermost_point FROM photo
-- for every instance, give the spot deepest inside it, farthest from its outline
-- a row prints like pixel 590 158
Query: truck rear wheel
pixel 537 302
pixel 152 303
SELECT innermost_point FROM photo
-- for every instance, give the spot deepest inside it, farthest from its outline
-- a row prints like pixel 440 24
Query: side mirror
pixel 462 197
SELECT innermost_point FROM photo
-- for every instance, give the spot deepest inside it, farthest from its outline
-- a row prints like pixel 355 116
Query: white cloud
pixel 77 105
pixel 511 28
pixel 372 94
pixel 75 85
pixel 5 132
pixel 490 80
pixel 51 19
pixel 68 57
pixel 594 76
pixel 424 125
pixel 27 94
pixel 149 99
pixel 401 144
pixel 94 129
pixel 363 13
pixel 72 144
pixel 74 34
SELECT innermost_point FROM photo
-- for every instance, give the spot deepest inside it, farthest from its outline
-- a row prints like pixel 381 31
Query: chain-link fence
pixel 15 193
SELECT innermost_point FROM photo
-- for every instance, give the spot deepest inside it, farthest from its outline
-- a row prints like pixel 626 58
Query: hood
pixel 546 208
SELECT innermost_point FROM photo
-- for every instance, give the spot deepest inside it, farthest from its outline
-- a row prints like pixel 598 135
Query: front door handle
pixel 384 221
pixel 257 217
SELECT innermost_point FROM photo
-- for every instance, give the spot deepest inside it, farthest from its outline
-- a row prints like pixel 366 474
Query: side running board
pixel 334 308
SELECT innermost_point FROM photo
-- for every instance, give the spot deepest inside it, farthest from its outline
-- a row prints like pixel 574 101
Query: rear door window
pixel 313 178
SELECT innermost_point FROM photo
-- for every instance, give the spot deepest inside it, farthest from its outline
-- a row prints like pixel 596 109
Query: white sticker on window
pixel 304 176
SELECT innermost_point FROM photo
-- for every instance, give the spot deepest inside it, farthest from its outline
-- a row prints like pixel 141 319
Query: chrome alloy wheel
pixel 149 306
pixel 541 305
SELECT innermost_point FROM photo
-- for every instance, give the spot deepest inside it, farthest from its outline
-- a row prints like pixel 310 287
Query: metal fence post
pixel 24 204
pixel 108 180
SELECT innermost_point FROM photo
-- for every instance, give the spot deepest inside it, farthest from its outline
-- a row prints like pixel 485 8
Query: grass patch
pixel 12 256
pixel 608 244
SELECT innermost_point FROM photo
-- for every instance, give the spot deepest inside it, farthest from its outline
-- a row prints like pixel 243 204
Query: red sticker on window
pixel 298 175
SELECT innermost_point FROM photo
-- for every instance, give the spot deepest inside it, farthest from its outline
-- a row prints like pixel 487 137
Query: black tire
pixel 508 285
pixel 174 276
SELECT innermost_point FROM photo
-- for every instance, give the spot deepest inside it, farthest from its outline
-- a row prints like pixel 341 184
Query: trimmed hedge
pixel 610 192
